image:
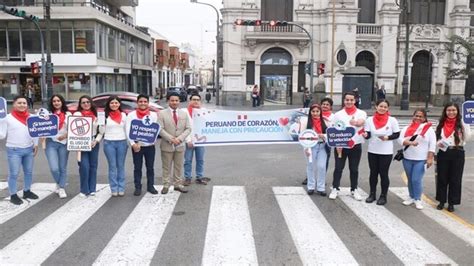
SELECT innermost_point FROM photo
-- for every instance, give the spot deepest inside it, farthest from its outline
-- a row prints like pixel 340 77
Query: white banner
pixel 218 127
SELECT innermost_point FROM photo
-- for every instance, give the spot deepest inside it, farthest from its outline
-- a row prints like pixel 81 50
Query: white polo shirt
pixel 344 117
pixel 376 145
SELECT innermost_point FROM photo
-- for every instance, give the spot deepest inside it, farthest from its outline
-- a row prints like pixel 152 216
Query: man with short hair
pixel 142 150
pixel 194 103
pixel 175 128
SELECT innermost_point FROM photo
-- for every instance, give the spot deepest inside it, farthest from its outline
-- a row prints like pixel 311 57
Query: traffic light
pixel 307 68
pixel 243 22
pixel 278 23
pixel 18 13
pixel 321 68
pixel 35 68
pixel 49 68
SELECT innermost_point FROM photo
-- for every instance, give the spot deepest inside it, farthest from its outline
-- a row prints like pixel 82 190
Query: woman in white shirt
pixel 56 147
pixel 380 130
pixel 451 134
pixel 421 141
pixel 21 149
pixel 115 145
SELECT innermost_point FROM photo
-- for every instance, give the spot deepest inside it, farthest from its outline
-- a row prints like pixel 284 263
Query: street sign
pixel 3 108
pixel 144 130
pixel 308 138
pixel 79 137
pixel 341 138
pixel 468 112
pixel 43 124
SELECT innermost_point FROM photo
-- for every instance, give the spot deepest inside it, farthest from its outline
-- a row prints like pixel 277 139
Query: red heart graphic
pixel 351 143
pixel 283 121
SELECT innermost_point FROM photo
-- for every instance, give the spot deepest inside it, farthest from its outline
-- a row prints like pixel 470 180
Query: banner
pixel 219 127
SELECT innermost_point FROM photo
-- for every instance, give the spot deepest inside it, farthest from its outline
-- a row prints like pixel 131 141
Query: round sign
pixel 308 138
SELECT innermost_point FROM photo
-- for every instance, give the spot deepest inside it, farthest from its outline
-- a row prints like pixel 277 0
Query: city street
pixel 254 211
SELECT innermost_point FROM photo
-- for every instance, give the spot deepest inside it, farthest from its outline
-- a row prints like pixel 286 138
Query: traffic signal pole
pixel 311 73
pixel 49 74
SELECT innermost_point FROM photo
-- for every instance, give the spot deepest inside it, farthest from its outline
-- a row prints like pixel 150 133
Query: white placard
pixel 101 118
pixel 79 136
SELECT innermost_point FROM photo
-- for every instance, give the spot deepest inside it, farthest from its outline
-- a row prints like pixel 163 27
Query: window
pixel 277 10
pixel 3 44
pixel 426 12
pixel 123 48
pixel 341 57
pixel 366 11
pixel 471 5
pixel 14 42
pixel 84 41
pixel 250 75
pixel 276 56
pixel 111 44
pixel 66 41
pixel 31 45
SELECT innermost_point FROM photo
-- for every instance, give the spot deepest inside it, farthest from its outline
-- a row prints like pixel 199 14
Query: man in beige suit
pixel 175 127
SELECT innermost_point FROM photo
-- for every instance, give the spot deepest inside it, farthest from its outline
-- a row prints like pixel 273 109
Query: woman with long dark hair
pixel 89 159
pixel 115 144
pixel 380 129
pixel 317 156
pixel 451 136
pixel 56 147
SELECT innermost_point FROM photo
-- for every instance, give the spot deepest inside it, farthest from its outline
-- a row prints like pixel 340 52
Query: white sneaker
pixel 62 193
pixel 356 195
pixel 92 194
pixel 82 195
pixel 334 193
pixel 56 190
pixel 418 204
pixel 114 194
pixel 408 202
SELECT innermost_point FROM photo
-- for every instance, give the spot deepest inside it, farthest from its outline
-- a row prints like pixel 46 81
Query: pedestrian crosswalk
pixel 230 237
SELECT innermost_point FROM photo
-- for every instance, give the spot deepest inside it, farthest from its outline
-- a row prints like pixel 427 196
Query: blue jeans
pixel 188 162
pixel 19 157
pixel 57 155
pixel 116 152
pixel 149 153
pixel 415 170
pixel 318 165
pixel 88 170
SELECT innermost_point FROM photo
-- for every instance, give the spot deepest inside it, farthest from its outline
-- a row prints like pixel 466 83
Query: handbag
pixel 399 155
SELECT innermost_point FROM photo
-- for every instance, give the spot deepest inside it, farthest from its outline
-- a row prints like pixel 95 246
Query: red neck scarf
pixel 88 113
pixel 21 116
pixel 190 110
pixel 448 127
pixel 116 116
pixel 326 114
pixel 62 117
pixel 414 126
pixel 350 111
pixel 142 113
pixel 380 120
pixel 317 125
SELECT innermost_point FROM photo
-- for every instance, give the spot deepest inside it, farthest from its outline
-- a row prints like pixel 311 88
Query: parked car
pixel 192 89
pixel 210 88
pixel 181 91
pixel 129 102
pixel 199 87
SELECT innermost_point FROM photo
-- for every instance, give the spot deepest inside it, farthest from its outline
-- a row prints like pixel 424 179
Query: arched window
pixel 276 56
pixel 367 59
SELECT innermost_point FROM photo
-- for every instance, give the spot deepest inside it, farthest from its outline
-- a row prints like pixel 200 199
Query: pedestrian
pixel 307 98
pixel 255 96
pixel 56 147
pixel 380 129
pixel 175 128
pixel 381 93
pixel 349 116
pixel 89 160
pixel 21 149
pixel 194 103
pixel 357 97
pixel 421 141
pixel 451 136
pixel 30 93
pixel 142 150
pixel 115 144
pixel 316 155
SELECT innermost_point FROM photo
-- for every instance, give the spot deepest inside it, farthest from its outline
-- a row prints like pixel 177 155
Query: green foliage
pixel 462 51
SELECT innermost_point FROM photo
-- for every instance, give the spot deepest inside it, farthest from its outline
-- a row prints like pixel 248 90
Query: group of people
pixel 419 140
pixel 176 146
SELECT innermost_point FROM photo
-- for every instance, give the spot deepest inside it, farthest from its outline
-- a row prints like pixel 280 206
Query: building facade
pixel 365 33
pixel 95 47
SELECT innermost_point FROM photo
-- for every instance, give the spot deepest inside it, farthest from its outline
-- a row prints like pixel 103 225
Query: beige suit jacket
pixel 169 130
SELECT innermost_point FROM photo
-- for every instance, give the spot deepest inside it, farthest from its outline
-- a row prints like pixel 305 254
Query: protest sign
pixel 79 137
pixel 468 112
pixel 144 130
pixel 341 138
pixel 43 124
pixel 3 108
pixel 308 138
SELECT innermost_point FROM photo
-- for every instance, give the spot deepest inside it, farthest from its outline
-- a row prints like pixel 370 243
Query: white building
pixel 367 33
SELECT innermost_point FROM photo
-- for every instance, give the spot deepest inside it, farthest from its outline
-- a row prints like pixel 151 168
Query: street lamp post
pixel 131 50
pixel 311 74
pixel 214 77
pixel 217 47
pixel 404 4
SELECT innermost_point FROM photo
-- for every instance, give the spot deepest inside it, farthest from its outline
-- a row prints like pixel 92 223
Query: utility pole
pixel 333 45
pixel 405 5
pixel 49 74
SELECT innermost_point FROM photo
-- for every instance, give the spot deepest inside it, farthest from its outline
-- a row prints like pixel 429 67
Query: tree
pixel 462 50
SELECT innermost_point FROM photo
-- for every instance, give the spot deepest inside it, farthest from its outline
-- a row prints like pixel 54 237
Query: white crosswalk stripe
pixel 3 185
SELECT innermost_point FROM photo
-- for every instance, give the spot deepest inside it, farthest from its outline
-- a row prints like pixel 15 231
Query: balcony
pixel 368 32
pixel 267 33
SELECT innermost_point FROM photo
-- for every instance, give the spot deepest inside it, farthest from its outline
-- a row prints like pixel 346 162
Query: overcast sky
pixel 181 21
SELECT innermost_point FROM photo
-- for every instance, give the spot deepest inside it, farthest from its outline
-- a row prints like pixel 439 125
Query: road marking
pixel 229 235
pixel 440 217
pixel 401 239
pixel 38 243
pixel 137 239
pixel 433 204
pixel 317 243
pixel 3 185
pixel 9 210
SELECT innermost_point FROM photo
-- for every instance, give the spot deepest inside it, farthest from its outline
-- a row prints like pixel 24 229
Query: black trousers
pixel 354 155
pixel 379 165
pixel 147 152
pixel 449 166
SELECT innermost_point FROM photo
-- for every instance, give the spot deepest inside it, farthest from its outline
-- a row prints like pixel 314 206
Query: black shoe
pixel 371 198
pixel 180 189
pixel 321 193
pixel 207 179
pixel 152 190
pixel 440 206
pixel 201 182
pixel 450 208
pixel 137 192
pixel 15 199
pixel 29 195
pixel 305 181
pixel 165 190
pixel 382 200
pixel 310 192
